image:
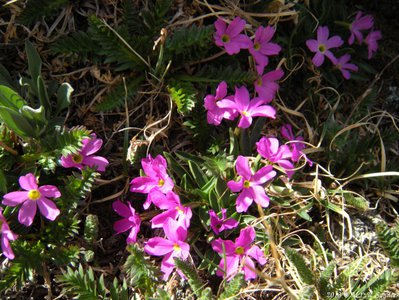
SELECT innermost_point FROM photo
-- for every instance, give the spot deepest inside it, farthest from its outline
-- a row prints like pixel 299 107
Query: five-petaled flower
pixel 296 144
pixel 172 246
pixel 173 209
pixel 85 156
pixel 33 196
pixel 360 23
pixel 322 45
pixel 215 114
pixel 130 220
pixel 239 253
pixel 342 63
pixel 6 236
pixel 156 179
pixel 250 185
pixel 262 48
pixel 266 85
pixel 247 108
pixel 371 41
pixel 270 149
pixel 220 224
pixel 230 36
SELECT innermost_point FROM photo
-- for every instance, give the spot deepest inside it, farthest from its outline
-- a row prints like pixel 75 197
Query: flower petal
pixel 122 225
pixel 242 167
pixel 235 27
pixel 121 209
pixel 48 209
pixel 28 182
pixel 246 238
pixel 49 191
pixel 27 213
pixel 244 200
pixel 249 269
pixel 96 161
pixel 158 246
pixel 6 248
pixel 15 198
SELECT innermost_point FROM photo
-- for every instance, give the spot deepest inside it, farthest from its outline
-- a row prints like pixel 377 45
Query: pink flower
pixel 247 108
pixel 344 66
pixel 250 185
pixel 262 47
pixel 297 146
pixel 270 149
pixel 360 23
pixel 6 236
pixel 371 42
pixel 215 114
pixel 85 156
pixel 130 220
pixel 32 197
pixel 156 179
pixel 174 210
pixel 239 253
pixel 230 37
pixel 267 87
pixel 173 245
pixel 322 45
pixel 220 224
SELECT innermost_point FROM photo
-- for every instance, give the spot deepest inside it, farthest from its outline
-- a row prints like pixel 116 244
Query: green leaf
pixel 37 116
pixel 183 95
pixel 232 288
pixel 63 97
pixel 198 175
pixel 3 182
pixel 303 270
pixel 17 123
pixel 43 95
pixel 11 99
pixel 34 62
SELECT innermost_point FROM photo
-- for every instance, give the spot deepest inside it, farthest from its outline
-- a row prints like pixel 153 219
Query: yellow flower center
pixel 239 250
pixel 161 182
pixel 259 82
pixel 245 113
pixel 256 46
pixel 176 247
pixel 179 210
pixel 247 183
pixel 322 48
pixel 77 158
pixel 339 66
pixel 225 38
pixel 34 194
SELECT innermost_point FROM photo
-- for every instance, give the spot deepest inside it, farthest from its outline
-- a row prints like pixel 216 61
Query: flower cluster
pixel 222 106
pixel 323 44
pixel 33 196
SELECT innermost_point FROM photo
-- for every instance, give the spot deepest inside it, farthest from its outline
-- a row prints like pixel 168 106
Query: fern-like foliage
pixel 193 278
pixel 189 43
pixel 115 48
pixel 232 288
pixel 233 75
pixel 35 9
pixel 389 239
pixel 82 284
pixel 116 98
pixel 183 95
pixel 78 43
pixel 141 274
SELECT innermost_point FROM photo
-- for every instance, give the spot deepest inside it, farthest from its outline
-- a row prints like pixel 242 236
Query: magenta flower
pixel 85 156
pixel 322 45
pixel 261 47
pixel 6 236
pixel 267 87
pixel 344 66
pixel 250 185
pixel 32 197
pixel 174 210
pixel 371 41
pixel 156 178
pixel 215 114
pixel 172 246
pixel 247 108
pixel 220 224
pixel 130 220
pixel 239 254
pixel 297 146
pixel 360 23
pixel 270 149
pixel 230 37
